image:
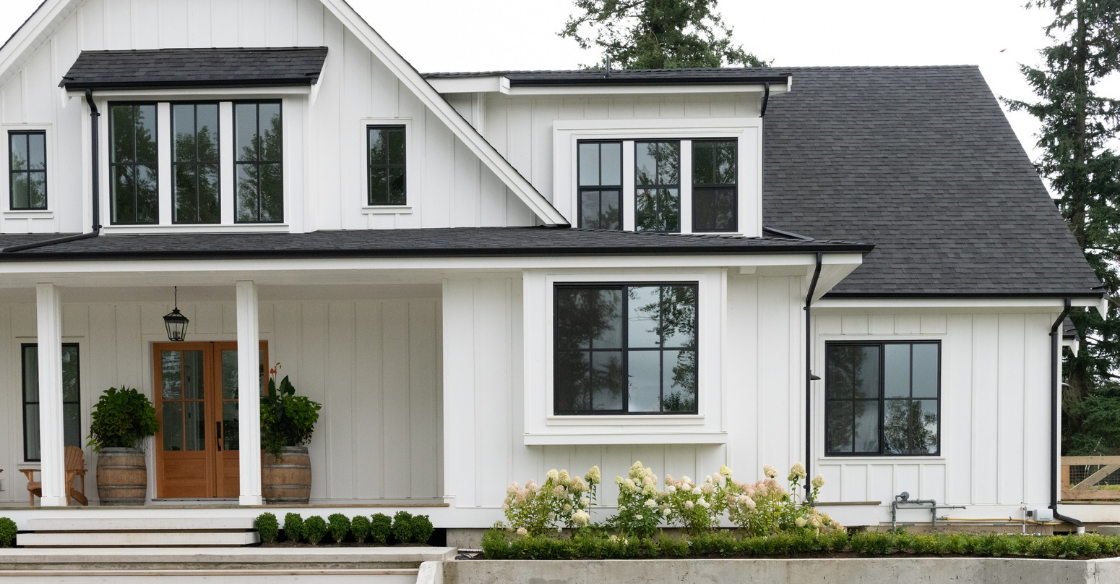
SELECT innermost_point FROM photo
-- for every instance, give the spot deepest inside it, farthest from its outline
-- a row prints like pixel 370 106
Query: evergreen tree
pixel 657 34
pixel 1076 125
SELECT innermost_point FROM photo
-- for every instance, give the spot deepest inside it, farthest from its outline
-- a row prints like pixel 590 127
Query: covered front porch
pixel 367 345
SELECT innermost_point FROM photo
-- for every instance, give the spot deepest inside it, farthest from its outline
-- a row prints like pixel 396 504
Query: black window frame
pixel 581 188
pixel 403 166
pixel 26 134
pixel 881 400
pixel 258 162
pixel 658 186
pixel 23 394
pixel 624 346
pixel 195 162
pixel 695 185
pixel 133 163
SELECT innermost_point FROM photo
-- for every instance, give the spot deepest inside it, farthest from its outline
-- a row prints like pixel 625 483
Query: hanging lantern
pixel 175 321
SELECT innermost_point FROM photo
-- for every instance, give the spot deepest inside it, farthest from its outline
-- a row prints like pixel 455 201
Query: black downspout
pixel 765 98
pixel 1055 359
pixel 809 374
pixel 95 188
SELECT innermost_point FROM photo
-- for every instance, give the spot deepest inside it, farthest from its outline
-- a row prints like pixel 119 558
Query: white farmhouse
pixel 484 276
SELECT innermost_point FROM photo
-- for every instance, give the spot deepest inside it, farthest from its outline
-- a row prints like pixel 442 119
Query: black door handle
pixel 218 426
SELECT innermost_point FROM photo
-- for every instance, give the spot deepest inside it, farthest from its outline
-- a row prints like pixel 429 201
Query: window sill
pixel 634 438
pixel 28 213
pixel 880 459
pixel 387 210
pixel 627 420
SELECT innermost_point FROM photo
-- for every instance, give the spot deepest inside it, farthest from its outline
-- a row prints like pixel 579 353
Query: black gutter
pixel 960 295
pixel 765 99
pixel 1055 359
pixel 619 79
pixel 809 374
pixel 307 81
pixel 95 188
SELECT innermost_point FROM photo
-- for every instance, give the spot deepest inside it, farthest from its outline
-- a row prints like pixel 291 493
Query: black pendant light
pixel 176 323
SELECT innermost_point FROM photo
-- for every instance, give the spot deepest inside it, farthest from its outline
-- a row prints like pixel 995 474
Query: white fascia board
pixel 424 91
pixel 214 93
pixel 491 84
pixel 951 303
pixel 643 90
pixel 18 47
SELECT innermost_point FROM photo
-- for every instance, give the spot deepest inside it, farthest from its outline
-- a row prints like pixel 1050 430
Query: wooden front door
pixel 197 405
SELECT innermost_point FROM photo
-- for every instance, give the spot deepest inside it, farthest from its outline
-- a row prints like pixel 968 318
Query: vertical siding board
pixel 41 90
pixel 1036 438
pixel 223 24
pixel 545 110
pixel 492 346
pixel 145 25
pixel 396 415
pixel 118 20
pixel 252 18
pixel 466 202
pixel 13 101
pixel 130 357
pixel 1011 407
pixel 369 441
pixel 422 393
pixel 281 31
pixel 309 25
pixel 459 390
pixel 985 429
pixel 352 136
pixel 956 407
pixel 92 18
pixel 174 24
pixel 312 382
pixel 438 161
pixel 340 411
pixel 11 442
pixel 199 28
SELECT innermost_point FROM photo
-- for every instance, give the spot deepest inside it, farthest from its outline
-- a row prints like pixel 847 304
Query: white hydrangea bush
pixel 562 501
pixel 641 507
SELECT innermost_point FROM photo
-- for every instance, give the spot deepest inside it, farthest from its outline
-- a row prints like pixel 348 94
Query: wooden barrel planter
pixel 122 476
pixel 287 480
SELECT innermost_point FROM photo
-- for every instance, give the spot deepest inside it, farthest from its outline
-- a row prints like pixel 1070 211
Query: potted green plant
pixel 121 419
pixel 287 424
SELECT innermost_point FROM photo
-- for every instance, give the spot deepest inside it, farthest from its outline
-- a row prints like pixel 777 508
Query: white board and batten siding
pixel 325 140
pixel 375 364
pixel 995 407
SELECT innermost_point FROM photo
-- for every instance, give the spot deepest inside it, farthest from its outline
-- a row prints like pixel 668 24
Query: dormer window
pixel 258 162
pixel 195 171
pixel 600 185
pixel 133 164
pixel 657 175
pixel 715 196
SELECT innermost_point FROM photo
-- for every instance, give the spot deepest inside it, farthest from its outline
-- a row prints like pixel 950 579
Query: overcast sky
pixel 474 35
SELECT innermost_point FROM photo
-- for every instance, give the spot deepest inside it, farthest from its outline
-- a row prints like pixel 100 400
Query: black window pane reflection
pixel 625 349
pixel 194 159
pixel 883 398
pixel 27 165
pixel 71 399
pixel 386 165
pixel 600 184
pixel 258 162
pixel 657 182
pixel 133 164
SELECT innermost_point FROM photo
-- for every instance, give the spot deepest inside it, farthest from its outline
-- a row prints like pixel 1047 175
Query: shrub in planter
pixel 380 528
pixel 422 529
pixel 402 527
pixel 267 527
pixel 316 529
pixel 121 418
pixel 359 526
pixel 286 419
pixel 339 526
pixel 294 528
pixel 7 532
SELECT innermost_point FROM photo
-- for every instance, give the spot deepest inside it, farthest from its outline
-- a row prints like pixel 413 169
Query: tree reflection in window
pixel 133 164
pixel 626 349
pixel 258 144
pixel 657 175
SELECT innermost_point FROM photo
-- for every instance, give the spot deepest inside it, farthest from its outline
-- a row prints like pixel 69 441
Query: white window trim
pixel 52 161
pixel 163 100
pixel 543 426
pixel 747 131
pixel 410 168
pixel 944 398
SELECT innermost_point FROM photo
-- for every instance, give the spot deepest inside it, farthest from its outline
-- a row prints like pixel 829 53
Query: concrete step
pixel 140 524
pixel 72 539
pixel 341 576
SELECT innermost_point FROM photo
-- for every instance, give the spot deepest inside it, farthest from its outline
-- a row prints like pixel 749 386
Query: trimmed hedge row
pixel 379 529
pixel 500 544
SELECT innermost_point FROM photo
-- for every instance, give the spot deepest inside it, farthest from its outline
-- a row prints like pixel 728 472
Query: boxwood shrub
pixel 294 529
pixel 7 532
pixel 403 530
pixel 359 526
pixel 267 527
pixel 422 529
pixel 316 529
pixel 339 526
pixel 380 528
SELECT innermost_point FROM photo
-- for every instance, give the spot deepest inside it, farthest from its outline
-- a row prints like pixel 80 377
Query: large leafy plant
pixel 287 419
pixel 121 419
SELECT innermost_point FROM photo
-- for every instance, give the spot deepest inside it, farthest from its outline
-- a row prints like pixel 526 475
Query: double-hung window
pixel 600 185
pixel 625 348
pixel 715 200
pixel 133 164
pixel 258 162
pixel 27 170
pixel 883 398
pixel 71 403
pixel 386 165
pixel 195 160
pixel 657 177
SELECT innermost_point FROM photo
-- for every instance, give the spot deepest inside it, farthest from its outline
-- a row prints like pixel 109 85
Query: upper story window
pixel 27 168
pixel 133 164
pixel 715 197
pixel 195 174
pixel 626 349
pixel 71 402
pixel 386 165
pixel 600 185
pixel 258 162
pixel 883 398
pixel 657 177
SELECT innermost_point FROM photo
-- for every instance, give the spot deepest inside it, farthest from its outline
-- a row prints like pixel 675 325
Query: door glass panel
pixel 229 374
pixel 172 375
pixel 195 426
pixel 193 375
pixel 172 426
pixel 230 429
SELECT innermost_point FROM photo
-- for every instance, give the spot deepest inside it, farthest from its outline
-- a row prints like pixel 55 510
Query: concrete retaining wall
pixel 800 571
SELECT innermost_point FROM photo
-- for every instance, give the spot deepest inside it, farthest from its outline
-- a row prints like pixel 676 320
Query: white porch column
pixel 249 392
pixel 51 438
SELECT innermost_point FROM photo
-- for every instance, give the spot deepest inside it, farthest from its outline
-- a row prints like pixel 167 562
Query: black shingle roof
pixel 922 162
pixel 582 77
pixel 174 68
pixel 447 242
